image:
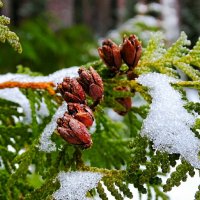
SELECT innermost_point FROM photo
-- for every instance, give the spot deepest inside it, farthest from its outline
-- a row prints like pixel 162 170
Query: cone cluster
pixel 129 51
pixel 113 56
pixel 72 127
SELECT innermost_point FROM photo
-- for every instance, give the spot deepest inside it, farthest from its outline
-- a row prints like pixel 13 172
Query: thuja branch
pixel 118 174
pixel 191 84
pixel 39 85
pixel 107 172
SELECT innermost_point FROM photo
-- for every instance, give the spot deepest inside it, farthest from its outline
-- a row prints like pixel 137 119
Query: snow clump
pixel 74 185
pixel 168 123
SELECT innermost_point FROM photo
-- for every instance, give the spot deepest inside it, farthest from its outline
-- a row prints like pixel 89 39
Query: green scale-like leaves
pixel 193 57
pixel 157 58
pixel 110 144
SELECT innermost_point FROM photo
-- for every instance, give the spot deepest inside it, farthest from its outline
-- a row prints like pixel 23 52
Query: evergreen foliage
pixel 119 152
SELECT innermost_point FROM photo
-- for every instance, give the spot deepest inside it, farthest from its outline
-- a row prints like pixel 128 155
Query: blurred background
pixel 63 33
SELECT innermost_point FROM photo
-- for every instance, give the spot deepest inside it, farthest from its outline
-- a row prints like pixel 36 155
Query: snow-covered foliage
pixel 45 141
pixel 168 123
pixel 15 95
pixel 75 185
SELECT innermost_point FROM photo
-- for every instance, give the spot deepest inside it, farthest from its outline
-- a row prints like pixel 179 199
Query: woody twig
pixel 33 85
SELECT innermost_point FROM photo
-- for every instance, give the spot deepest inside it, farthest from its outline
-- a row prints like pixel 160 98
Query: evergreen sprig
pixel 119 152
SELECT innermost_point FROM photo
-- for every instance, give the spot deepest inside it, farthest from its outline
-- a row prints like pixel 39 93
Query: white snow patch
pixel 55 77
pixel 43 110
pixel 192 95
pixel 11 148
pixel 16 96
pixel 113 115
pixel 45 141
pixel 138 101
pixel 168 122
pixel 1 163
pixel 74 185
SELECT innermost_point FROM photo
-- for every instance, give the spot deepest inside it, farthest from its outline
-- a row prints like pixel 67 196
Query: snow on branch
pixel 168 123
pixel 75 185
pixel 22 80
pixel 45 141
pixel 55 77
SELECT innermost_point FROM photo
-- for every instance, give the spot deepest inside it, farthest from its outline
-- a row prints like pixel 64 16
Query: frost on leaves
pixel 168 122
pixel 75 185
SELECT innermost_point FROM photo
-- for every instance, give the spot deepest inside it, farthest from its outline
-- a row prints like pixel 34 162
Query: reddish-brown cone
pixel 110 54
pixel 73 131
pixel 91 82
pixel 131 51
pixel 72 91
pixel 82 113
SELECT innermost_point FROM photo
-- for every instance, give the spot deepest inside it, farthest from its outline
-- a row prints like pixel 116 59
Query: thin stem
pixel 78 158
pixel 107 172
pixel 191 84
pixel 33 85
